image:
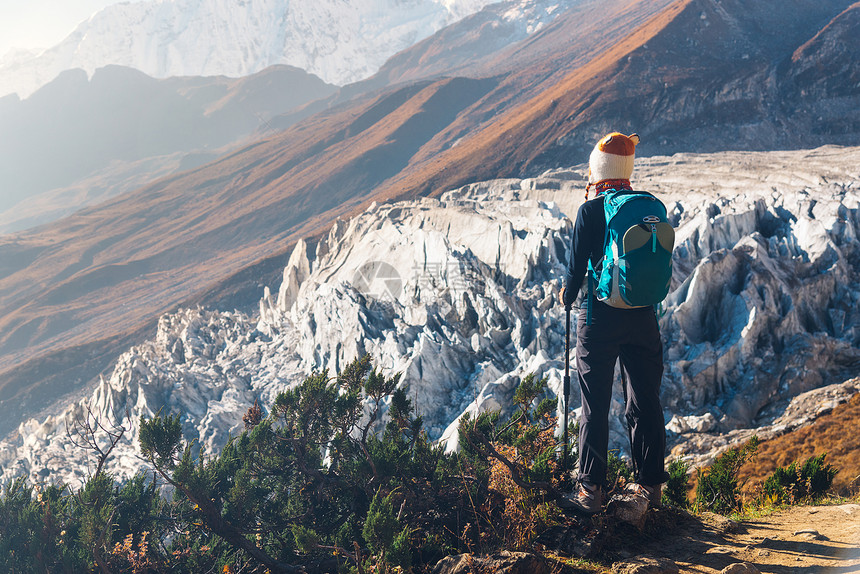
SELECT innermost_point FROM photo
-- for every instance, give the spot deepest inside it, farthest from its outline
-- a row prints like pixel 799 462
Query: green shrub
pixel 618 471
pixel 318 480
pixel 34 536
pixel 319 484
pixel 798 482
pixel 524 473
pixel 717 489
pixel 675 490
pixel 386 538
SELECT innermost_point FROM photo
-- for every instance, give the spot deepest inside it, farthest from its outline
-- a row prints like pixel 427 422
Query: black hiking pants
pixel 633 335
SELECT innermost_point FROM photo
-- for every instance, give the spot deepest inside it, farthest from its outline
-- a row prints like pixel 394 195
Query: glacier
pixel 460 294
pixel 339 41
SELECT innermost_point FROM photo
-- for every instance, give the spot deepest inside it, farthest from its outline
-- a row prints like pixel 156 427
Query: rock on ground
pixel 740 568
pixel 501 563
pixel 645 565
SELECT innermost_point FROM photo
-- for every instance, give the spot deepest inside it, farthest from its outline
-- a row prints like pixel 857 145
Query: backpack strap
pixel 590 302
pixel 592 272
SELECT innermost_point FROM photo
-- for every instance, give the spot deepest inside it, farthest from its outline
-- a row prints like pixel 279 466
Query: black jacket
pixel 587 243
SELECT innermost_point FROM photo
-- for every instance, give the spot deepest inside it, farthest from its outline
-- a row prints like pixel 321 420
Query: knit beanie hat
pixel 612 157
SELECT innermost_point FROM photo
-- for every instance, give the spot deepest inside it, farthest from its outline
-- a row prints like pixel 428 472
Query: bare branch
pixel 83 433
pixel 515 469
pixel 513 422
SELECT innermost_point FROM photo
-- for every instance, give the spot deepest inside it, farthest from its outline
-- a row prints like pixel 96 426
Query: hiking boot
pixel 588 499
pixel 652 494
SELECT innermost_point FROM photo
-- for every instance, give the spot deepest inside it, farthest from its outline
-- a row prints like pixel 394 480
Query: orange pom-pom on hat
pixel 612 157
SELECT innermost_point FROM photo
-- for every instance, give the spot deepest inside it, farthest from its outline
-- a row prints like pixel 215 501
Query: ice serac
pixel 460 295
pixel 770 309
pixel 449 292
pixel 341 42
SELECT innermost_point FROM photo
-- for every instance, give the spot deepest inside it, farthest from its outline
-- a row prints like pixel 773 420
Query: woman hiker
pixel 611 332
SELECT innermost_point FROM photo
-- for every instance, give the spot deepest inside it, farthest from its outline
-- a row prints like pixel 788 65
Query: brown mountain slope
pixel 698 75
pixel 512 143
pixel 833 433
pixel 686 74
pixel 107 271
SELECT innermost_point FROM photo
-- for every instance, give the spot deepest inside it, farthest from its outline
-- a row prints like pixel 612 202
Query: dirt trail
pixel 798 540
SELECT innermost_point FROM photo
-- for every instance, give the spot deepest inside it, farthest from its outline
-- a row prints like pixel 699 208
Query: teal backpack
pixel 636 270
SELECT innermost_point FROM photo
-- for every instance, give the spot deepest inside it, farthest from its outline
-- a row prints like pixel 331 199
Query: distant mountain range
pixel 121 128
pixel 341 42
pixel 74 127
pixel 687 75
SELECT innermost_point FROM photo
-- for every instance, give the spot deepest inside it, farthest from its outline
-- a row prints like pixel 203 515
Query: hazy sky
pixel 42 23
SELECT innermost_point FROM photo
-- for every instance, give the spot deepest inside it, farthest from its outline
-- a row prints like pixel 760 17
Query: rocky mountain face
pixel 459 293
pixel 341 42
pixel 81 126
pixel 687 75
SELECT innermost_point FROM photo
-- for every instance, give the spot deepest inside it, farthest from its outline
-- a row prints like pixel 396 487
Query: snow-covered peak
pixel 340 41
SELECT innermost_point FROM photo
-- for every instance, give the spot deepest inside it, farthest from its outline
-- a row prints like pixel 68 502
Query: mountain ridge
pixel 150 116
pixel 339 42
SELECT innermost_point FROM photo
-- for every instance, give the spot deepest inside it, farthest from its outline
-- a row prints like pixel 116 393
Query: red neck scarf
pixel 602 186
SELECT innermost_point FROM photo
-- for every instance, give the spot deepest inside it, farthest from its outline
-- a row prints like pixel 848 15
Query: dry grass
pixel 836 433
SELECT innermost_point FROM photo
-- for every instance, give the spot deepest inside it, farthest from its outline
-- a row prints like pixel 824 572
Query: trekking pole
pixel 566 387
pixel 627 422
